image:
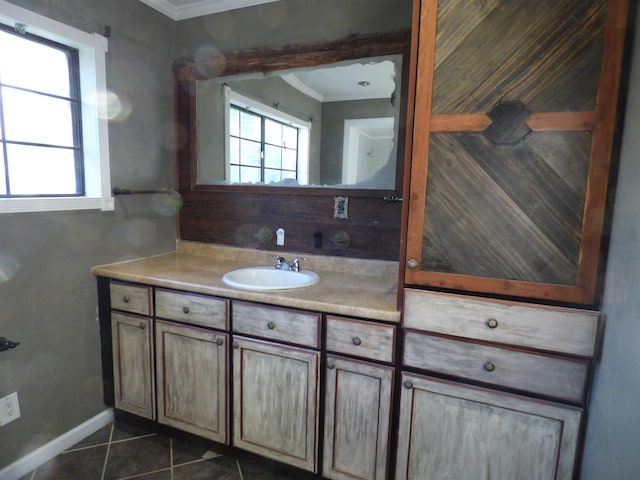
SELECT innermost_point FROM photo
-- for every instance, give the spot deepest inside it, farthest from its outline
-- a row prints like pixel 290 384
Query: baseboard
pixel 43 454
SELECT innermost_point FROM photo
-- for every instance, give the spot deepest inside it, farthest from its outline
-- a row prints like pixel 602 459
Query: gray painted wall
pixel 612 449
pixel 48 303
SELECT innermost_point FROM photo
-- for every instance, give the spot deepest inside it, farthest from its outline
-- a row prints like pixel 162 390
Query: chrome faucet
pixel 282 264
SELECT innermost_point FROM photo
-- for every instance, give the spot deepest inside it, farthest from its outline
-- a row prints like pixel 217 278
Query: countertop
pixel 347 286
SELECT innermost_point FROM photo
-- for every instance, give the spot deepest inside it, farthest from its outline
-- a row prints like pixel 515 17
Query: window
pixel 265 145
pixel 53 140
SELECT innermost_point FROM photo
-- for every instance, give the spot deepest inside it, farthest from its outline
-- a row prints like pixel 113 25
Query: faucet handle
pixel 296 264
pixel 281 263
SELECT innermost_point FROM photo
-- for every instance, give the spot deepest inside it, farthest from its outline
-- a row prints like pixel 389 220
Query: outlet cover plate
pixel 9 408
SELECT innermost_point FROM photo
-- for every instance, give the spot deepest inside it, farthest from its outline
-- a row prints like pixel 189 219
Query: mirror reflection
pixel 333 125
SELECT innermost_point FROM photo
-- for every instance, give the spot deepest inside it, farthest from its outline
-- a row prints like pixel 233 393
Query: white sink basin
pixel 269 278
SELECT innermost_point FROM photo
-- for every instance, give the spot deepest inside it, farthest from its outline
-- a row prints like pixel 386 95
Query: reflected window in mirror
pixel 263 144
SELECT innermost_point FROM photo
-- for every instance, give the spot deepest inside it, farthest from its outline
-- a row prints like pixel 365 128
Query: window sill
pixel 48 204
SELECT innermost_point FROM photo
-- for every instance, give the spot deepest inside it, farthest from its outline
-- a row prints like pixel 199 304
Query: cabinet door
pixel 192 379
pixel 450 430
pixel 356 421
pixel 134 385
pixel 275 401
pixel 514 119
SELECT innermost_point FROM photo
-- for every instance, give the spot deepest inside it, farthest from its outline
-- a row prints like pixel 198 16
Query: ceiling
pixel 183 9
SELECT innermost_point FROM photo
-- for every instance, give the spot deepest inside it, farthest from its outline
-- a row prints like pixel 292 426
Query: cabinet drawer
pixel 541 327
pixel 361 338
pixel 302 328
pixel 131 298
pixel 547 375
pixel 197 309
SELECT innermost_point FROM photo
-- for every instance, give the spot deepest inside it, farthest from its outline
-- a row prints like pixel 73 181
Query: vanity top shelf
pixel 353 287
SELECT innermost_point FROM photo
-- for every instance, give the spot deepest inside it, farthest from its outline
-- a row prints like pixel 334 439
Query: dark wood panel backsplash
pixel 250 220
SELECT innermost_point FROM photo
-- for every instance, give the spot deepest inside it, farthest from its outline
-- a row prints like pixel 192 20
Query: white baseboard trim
pixel 43 454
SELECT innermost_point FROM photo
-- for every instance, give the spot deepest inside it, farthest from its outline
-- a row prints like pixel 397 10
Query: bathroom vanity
pixel 326 379
pixel 302 376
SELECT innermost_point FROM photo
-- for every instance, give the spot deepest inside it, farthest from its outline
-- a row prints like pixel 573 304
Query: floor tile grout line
pixel 171 457
pixel 106 455
pixel 239 470
pixel 122 440
pixel 79 449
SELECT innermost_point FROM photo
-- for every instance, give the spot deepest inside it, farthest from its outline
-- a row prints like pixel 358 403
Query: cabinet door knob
pixel 126 299
pixel 331 365
pixel 408 384
pixel 412 263
pixel 185 309
pixel 235 345
pixel 142 325
pixel 219 341
pixel 489 366
pixel 492 323
pixel 356 340
pixel 271 325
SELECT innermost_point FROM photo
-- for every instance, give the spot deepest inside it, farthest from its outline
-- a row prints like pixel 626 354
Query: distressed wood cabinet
pixel 515 108
pixel 512 390
pixel 132 342
pixel 134 382
pixel 192 365
pixel 276 385
pixel 275 401
pixel 358 395
pixel 357 419
pixel 451 430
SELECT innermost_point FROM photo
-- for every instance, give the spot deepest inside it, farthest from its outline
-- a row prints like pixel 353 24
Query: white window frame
pixel 234 98
pixel 92 49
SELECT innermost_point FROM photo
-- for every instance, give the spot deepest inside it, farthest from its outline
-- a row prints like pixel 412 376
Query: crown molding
pixel 198 8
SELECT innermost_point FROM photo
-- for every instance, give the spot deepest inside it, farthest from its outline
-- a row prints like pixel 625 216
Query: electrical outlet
pixel 9 408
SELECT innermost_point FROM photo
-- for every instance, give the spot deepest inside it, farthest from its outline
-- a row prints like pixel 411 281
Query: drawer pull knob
pixel 185 309
pixel 219 341
pixel 142 325
pixel 492 323
pixel 235 345
pixel 331 365
pixel 356 340
pixel 489 366
pixel 271 325
pixel 408 384
pixel 412 263
pixel 126 299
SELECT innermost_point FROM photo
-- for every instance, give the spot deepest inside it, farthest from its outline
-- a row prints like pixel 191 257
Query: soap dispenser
pixel 280 236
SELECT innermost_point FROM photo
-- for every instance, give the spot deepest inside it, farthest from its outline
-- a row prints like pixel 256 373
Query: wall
pixel 47 292
pixel 613 429
pixel 246 220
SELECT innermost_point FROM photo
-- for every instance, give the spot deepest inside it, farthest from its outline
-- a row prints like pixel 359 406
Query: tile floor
pixel 121 451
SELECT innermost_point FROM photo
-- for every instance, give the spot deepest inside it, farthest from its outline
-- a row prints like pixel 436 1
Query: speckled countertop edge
pixel 347 286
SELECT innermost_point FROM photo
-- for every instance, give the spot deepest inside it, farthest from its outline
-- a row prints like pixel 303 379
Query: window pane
pixel 272 176
pixel 33 65
pixel 41 170
pixel 3 177
pixel 272 157
pixel 272 132
pixel 234 122
pixel 249 153
pixel 250 126
pixel 289 161
pixel 290 137
pixel 234 173
pixel 30 117
pixel 234 151
pixel 250 175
